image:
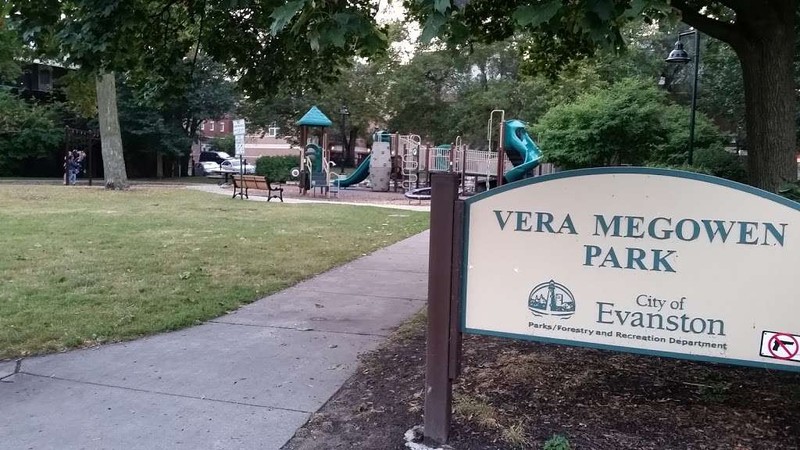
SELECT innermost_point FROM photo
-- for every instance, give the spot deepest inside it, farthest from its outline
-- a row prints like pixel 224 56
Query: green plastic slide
pixel 361 173
pixel 521 150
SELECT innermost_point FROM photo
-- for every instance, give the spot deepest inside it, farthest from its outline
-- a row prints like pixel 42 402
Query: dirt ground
pixel 517 395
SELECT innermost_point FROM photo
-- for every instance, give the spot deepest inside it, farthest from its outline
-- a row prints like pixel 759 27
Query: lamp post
pixel 345 147
pixel 679 55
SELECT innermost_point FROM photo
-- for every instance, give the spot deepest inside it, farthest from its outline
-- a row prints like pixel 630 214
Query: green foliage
pixel 711 161
pixel 81 93
pixel 675 146
pixel 720 163
pixel 791 191
pixel 616 126
pixel 145 129
pixel 628 123
pixel 276 168
pixel 265 44
pixel 154 118
pixel 27 131
pixel 225 144
pixel 557 31
pixel 557 442
pixel 362 88
pixel 721 86
pixel 418 97
pixel 208 95
pixel 10 48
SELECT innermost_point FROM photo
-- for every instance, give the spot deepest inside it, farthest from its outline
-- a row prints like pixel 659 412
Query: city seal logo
pixel 551 299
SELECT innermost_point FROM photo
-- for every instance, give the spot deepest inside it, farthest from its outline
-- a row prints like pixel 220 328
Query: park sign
pixel 238 127
pixel 648 261
pixel 238 136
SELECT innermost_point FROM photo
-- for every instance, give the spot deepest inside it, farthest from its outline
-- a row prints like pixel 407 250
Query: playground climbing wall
pixel 380 166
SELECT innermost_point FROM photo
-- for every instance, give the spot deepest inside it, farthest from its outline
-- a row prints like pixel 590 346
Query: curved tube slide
pixel 521 150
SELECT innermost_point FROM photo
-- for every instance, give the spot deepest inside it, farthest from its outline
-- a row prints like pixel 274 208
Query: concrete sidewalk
pixel 247 380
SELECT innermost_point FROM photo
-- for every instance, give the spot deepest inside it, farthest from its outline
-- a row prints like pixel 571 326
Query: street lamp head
pixel 678 54
pixel 344 111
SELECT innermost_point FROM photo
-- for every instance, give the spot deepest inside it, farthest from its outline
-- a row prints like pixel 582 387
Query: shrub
pixel 674 149
pixel 791 191
pixel 609 127
pixel 276 168
pixel 721 164
pixel 629 123
pixel 711 161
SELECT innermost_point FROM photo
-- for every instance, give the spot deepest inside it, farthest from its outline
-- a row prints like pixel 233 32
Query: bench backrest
pixel 252 182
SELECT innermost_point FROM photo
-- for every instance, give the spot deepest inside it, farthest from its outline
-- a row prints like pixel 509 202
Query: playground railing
pixel 439 159
pixel 474 162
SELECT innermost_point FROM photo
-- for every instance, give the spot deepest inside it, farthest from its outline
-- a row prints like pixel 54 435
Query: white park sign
pixel 642 260
pixel 238 136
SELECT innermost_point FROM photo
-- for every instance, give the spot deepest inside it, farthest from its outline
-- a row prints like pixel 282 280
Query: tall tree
pixel 103 37
pixel 261 43
pixel 762 33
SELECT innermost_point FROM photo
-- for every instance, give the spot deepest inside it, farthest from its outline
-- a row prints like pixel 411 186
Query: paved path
pixel 247 380
pixel 214 189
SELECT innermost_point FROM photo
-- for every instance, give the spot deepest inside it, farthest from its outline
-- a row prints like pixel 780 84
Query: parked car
pixel 213 156
pixel 210 162
pixel 232 165
pixel 207 168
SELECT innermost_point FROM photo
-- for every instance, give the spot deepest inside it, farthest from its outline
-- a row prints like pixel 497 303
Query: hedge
pixel 276 168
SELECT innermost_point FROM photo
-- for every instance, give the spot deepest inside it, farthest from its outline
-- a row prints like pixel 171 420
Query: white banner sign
pixel 238 127
pixel 641 260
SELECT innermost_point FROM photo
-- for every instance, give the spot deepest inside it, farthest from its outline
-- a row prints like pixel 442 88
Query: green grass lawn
pixel 81 266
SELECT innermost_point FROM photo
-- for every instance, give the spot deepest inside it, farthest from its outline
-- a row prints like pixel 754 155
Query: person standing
pixel 73 166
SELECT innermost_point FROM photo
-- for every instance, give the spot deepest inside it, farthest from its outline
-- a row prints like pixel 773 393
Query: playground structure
pixel 404 162
pixel 479 169
pixel 382 166
pixel 315 164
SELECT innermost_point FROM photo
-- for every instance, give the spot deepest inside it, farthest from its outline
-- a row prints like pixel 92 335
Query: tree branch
pixel 199 38
pixel 725 32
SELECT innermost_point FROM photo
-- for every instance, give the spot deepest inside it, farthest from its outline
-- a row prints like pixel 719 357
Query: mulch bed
pixel 518 395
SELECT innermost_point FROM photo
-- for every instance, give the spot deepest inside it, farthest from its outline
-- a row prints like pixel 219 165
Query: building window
pixel 272 132
pixel 202 126
pixel 222 127
pixel 211 126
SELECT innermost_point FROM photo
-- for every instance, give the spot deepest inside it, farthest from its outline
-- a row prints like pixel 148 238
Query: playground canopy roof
pixel 315 118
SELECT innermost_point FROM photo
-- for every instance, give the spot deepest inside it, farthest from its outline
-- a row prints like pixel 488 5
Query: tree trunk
pixel 110 135
pixel 351 147
pixel 767 58
pixel 159 165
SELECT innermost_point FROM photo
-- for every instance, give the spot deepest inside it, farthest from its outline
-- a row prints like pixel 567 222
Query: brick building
pixel 271 143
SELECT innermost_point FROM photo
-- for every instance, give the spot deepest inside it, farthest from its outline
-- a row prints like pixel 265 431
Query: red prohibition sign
pixel 777 342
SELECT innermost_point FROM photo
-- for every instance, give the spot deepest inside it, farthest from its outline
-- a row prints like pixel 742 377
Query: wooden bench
pixel 246 182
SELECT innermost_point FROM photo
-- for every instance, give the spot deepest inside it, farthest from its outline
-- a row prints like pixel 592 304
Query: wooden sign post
pixel 443 340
